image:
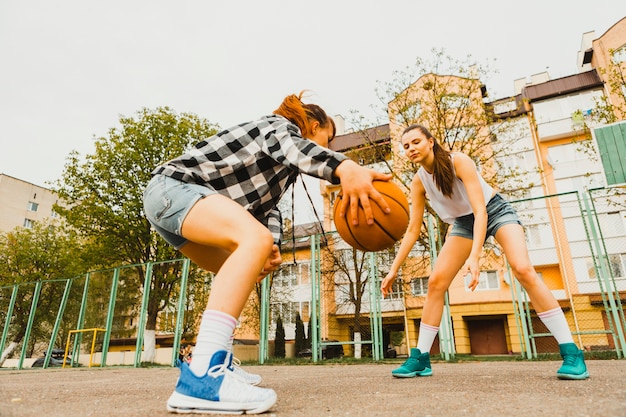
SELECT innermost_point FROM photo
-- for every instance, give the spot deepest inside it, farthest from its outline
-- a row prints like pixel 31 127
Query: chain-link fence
pixel 576 241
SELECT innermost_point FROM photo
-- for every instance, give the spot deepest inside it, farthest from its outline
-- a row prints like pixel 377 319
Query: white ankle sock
pixel 556 323
pixel 216 330
pixel 426 337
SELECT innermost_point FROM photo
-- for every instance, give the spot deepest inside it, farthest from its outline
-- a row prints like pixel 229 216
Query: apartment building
pixel 566 202
pixel 23 203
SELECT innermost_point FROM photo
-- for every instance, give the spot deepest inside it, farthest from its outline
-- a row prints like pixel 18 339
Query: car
pixel 328 351
pixel 56 359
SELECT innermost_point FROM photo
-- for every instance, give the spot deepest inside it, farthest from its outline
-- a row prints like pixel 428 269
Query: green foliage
pixel 279 339
pixel 102 193
pixel 308 341
pixel 44 257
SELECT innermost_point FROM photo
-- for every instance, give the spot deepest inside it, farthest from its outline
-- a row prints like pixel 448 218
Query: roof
pixel 560 86
pixel 367 136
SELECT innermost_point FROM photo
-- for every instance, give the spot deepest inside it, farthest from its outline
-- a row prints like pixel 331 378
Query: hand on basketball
pixel 271 264
pixel 357 188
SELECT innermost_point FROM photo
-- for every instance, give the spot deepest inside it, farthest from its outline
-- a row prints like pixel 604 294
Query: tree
pixel 279 339
pixel 103 193
pixel 349 269
pixel 309 334
pixel 46 255
pixel 300 342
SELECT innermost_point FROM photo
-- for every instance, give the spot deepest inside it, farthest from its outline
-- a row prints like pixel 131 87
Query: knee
pixel 259 240
pixel 437 285
pixel 525 273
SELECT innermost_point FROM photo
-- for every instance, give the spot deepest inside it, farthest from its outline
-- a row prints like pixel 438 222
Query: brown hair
pixel 300 114
pixel 443 171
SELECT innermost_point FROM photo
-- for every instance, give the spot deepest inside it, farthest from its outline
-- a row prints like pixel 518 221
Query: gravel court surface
pixel 485 389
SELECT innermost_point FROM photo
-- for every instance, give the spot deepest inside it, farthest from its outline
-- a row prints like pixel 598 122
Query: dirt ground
pixel 485 389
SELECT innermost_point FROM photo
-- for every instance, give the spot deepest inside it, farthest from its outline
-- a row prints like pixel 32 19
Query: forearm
pixel 479 233
pixel 408 241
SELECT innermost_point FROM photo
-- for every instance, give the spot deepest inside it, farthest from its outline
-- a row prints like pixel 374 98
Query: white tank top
pixel 449 208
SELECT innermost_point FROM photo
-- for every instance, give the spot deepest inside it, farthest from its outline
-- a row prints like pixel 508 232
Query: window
pixel 619 55
pixel 459 135
pixel 533 236
pixel 28 223
pixel 419 286
pixel 409 115
pixel 488 280
pixel 32 206
pixel 505 107
pixel 286 311
pixel 455 102
pixel 617 263
pixel 397 290
pixel 611 141
pixel 612 224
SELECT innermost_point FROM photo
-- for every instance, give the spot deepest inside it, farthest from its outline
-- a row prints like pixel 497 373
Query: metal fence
pixel 577 243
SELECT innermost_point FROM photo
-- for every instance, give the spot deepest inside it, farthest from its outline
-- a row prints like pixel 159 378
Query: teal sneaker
pixel 573 363
pixel 418 364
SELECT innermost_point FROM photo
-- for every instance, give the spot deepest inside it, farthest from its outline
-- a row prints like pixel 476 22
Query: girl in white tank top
pixel 461 197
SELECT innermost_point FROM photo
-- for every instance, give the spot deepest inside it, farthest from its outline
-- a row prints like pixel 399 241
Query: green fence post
pixel 81 318
pixel 31 320
pixel 604 278
pixel 180 316
pixel 520 314
pixel 57 323
pixel 110 315
pixel 7 319
pixel 315 300
pixel 375 313
pixel 142 316
pixel 446 336
pixel 264 330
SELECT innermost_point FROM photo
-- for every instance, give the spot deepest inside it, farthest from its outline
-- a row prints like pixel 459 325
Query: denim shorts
pixel 166 202
pixel 499 213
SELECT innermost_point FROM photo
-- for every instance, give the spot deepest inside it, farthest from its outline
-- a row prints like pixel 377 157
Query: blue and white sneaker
pixel 250 378
pixel 220 391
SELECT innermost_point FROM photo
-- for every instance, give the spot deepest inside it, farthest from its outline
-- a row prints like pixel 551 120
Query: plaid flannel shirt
pixel 253 164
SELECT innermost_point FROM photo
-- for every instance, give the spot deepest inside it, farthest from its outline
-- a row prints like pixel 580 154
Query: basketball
pixel 387 229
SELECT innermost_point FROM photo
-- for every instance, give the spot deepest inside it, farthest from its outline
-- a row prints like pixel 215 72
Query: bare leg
pixel 230 241
pixel 511 237
pixel 450 260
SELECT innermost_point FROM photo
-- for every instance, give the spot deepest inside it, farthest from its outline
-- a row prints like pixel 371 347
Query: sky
pixel 69 69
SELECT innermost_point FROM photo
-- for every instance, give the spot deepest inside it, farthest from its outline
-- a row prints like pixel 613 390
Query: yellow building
pixel 23 203
pixel 575 221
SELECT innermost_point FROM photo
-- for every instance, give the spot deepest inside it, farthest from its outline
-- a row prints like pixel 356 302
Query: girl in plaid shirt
pixel 217 205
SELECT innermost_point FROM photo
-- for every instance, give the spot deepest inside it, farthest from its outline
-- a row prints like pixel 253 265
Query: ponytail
pixel 293 109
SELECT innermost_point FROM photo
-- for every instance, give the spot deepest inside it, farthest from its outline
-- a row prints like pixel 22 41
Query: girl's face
pixel 417 146
pixel 321 135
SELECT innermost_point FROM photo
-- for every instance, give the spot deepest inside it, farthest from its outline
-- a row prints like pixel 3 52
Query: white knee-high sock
pixel 426 337
pixel 232 338
pixel 556 323
pixel 216 330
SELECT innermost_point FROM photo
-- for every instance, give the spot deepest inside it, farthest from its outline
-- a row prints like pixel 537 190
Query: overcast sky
pixel 70 68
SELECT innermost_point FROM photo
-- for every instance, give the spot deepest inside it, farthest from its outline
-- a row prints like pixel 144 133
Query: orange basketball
pixel 387 229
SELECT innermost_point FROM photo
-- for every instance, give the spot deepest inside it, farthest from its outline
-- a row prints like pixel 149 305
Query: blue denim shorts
pixel 499 213
pixel 166 202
